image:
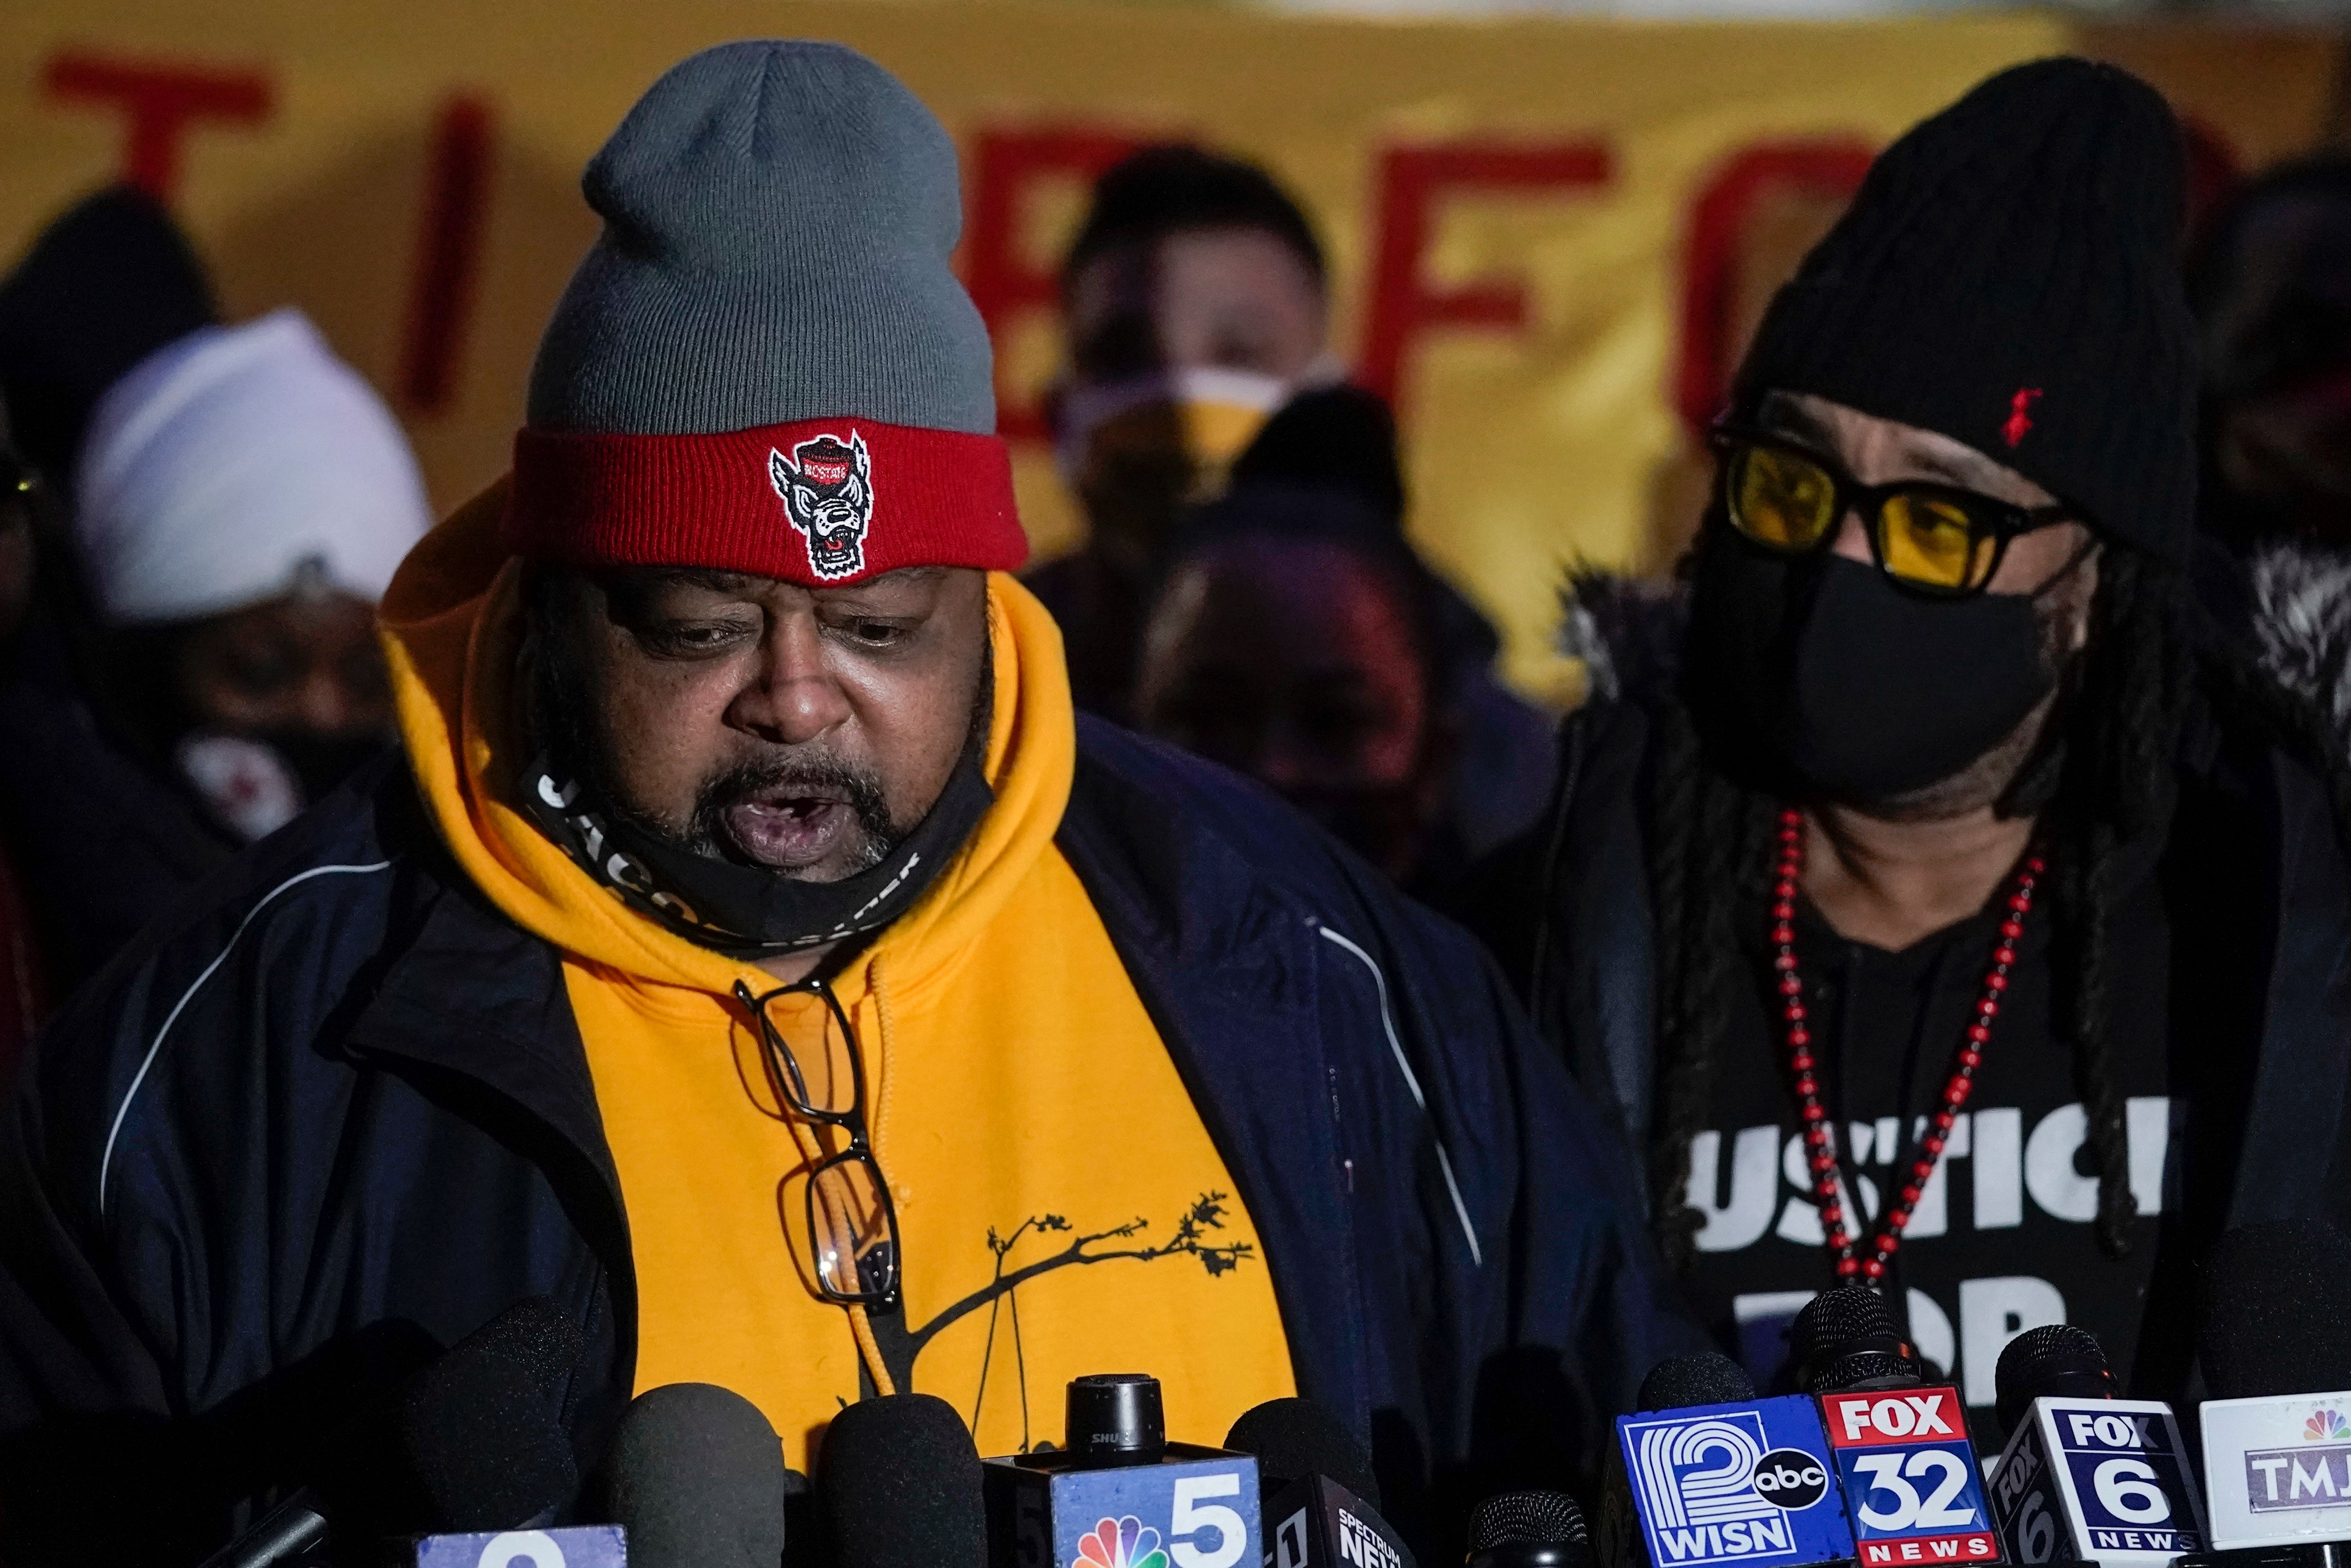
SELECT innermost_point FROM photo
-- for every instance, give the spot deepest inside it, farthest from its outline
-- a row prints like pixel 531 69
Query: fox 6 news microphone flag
pixel 1911 1484
pixel 2105 1480
pixel 1746 1482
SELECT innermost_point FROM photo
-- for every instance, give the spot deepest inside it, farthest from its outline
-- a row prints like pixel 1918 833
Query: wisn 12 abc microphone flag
pixel 2102 1481
pixel 2278 1470
pixel 1750 1482
pixel 1911 1485
pixel 1196 1508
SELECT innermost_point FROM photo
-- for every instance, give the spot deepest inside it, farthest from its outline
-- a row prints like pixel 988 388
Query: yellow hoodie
pixel 1061 1206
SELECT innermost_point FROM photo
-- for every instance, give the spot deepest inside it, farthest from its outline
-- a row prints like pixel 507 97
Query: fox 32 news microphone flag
pixel 1911 1481
pixel 1751 1481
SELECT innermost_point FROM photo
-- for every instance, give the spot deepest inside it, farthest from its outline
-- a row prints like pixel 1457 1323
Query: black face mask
pixel 1852 686
pixel 750 912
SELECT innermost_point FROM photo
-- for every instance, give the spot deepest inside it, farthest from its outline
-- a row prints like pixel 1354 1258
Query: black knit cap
pixel 2009 277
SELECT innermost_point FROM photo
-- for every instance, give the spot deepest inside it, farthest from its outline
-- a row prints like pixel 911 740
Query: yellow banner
pixel 1547 236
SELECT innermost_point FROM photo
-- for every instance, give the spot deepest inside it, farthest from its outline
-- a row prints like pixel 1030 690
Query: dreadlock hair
pixel 2100 781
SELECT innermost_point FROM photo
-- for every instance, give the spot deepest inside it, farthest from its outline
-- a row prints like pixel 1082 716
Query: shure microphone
pixel 1913 1491
pixel 695 1476
pixel 1321 1502
pixel 482 1431
pixel 1117 1491
pixel 2277 1432
pixel 2086 1476
pixel 1528 1530
pixel 900 1482
pixel 1705 1472
pixel 477 1437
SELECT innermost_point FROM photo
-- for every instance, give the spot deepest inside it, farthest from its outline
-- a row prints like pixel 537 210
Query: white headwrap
pixel 225 466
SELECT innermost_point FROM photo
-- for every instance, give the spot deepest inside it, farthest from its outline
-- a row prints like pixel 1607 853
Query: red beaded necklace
pixel 1788 874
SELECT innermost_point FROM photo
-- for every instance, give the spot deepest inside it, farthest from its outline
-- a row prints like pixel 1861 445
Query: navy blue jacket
pixel 333 1112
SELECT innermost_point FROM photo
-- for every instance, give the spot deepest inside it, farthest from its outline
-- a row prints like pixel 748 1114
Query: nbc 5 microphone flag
pixel 1910 1480
pixel 1748 1482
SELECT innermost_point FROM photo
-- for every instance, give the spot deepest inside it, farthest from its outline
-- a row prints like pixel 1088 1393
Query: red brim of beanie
pixel 824 503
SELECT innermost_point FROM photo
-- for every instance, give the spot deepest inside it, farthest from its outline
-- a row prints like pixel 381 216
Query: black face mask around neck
pixel 750 912
pixel 1851 685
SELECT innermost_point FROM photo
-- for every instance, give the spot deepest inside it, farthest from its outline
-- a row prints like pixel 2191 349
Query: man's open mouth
pixel 792 827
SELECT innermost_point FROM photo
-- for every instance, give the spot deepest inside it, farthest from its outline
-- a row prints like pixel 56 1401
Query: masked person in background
pixel 241 501
pixel 1194 304
pixel 759 958
pixel 1964 919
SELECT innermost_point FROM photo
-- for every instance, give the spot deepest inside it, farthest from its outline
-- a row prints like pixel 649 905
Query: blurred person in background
pixel 240 500
pixel 1957 910
pixel 1195 304
pixel 110 282
pixel 2270 284
pixel 1294 638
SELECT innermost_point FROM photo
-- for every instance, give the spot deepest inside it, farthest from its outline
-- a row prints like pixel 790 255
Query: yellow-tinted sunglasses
pixel 1935 539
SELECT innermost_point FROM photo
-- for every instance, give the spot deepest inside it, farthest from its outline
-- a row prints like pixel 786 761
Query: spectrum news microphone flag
pixel 2087 1477
pixel 1321 1499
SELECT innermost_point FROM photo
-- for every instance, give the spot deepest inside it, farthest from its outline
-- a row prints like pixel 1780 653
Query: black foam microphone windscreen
pixel 483 1428
pixel 901 1483
pixel 1848 1340
pixel 1528 1530
pixel 2267 1328
pixel 695 1475
pixel 1294 1439
pixel 2055 1361
pixel 1704 1378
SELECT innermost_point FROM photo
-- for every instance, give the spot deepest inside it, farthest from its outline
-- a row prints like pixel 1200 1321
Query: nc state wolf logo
pixel 828 491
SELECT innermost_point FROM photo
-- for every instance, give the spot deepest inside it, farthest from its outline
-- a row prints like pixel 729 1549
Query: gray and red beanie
pixel 2009 275
pixel 765 364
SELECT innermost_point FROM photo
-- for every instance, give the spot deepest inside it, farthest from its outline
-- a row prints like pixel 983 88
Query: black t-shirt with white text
pixel 2003 1237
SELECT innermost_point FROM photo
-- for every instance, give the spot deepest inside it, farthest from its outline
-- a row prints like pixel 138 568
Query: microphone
pixel 482 1431
pixel 2086 1476
pixel 1528 1530
pixel 1708 1473
pixel 1913 1491
pixel 1118 1491
pixel 1323 1510
pixel 479 1434
pixel 695 1477
pixel 2277 1431
pixel 900 1483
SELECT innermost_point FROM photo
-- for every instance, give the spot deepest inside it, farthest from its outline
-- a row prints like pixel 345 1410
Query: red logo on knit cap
pixel 827 484
pixel 2019 423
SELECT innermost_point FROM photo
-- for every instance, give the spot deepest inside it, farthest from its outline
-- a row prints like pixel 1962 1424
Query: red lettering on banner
pixel 1412 181
pixel 1711 248
pixel 448 253
pixel 161 103
pixel 1007 166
